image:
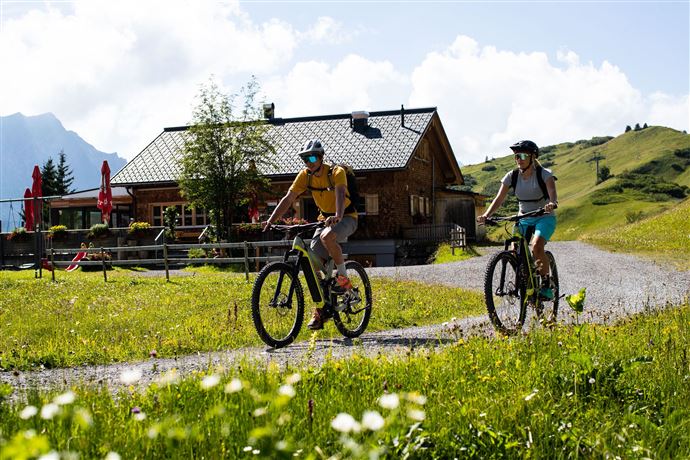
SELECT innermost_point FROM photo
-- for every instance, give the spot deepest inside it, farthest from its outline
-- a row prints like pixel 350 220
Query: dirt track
pixel 617 285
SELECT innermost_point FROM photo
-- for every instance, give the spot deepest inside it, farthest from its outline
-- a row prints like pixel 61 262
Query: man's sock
pixel 341 269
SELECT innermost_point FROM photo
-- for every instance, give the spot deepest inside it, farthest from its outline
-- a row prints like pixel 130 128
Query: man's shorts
pixel 544 226
pixel 343 229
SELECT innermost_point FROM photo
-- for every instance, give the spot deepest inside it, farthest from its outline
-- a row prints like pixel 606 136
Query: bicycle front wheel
pixel 352 310
pixel 277 315
pixel 503 293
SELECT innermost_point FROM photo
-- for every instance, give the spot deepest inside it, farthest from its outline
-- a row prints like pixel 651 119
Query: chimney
pixel 269 111
pixel 359 121
pixel 402 115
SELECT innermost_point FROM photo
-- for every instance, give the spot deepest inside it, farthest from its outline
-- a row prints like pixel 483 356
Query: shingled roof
pixel 384 145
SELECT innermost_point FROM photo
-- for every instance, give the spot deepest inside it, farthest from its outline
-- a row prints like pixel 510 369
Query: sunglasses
pixel 522 156
pixel 310 158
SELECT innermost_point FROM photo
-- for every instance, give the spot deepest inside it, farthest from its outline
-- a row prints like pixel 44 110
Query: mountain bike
pixel 512 283
pixel 278 299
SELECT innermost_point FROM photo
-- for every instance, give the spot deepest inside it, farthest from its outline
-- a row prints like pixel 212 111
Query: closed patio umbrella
pixel 28 210
pixel 37 192
pixel 105 196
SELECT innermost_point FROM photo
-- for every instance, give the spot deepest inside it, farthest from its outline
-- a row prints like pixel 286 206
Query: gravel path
pixel 618 285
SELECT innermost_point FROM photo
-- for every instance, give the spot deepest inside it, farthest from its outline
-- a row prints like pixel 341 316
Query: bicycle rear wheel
pixel 355 305
pixel 548 309
pixel 277 318
pixel 503 293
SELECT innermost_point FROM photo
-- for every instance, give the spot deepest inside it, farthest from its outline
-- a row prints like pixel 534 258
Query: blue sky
pixel 119 72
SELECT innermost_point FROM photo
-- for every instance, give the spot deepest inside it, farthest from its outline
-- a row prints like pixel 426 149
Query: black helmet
pixel 312 147
pixel 525 146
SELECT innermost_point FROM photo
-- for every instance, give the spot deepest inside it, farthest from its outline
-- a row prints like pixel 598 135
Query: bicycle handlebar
pixel 297 228
pixel 516 217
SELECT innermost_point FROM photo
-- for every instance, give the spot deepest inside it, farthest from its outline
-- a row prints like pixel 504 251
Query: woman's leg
pixel 537 245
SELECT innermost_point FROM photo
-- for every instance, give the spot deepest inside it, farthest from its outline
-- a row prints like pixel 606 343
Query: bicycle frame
pixel 310 264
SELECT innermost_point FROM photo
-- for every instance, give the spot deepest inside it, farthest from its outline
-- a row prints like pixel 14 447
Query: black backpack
pixel 540 181
pixel 352 191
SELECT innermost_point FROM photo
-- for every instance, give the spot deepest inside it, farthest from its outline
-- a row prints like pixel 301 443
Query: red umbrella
pixel 105 196
pixel 37 191
pixel 28 210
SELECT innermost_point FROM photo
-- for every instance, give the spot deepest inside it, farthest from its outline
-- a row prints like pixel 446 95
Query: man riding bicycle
pixel 328 185
pixel 534 187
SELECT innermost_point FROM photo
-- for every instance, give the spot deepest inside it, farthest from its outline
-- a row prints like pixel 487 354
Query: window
pixel 371 204
pixel 186 216
pixel 414 205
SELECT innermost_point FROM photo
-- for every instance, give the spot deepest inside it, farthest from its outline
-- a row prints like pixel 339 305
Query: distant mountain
pixel 28 141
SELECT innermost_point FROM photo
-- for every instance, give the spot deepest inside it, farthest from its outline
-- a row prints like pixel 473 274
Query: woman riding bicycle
pixel 533 192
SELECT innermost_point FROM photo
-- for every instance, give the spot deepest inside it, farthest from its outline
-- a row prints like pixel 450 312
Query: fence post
pixel 246 261
pixel 105 276
pixel 52 262
pixel 165 261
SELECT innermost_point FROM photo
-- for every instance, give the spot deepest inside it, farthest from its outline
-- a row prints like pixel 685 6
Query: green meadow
pixel 590 391
pixel 80 319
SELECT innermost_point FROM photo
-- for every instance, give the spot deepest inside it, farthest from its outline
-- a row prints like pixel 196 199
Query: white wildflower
pixel 52 455
pixel 260 411
pixel 416 415
pixel 591 380
pixel 28 412
pixel 372 420
pixel 112 456
pixel 64 399
pixel 140 417
pixel 292 379
pixel 247 448
pixel 416 398
pixel 130 376
pixel 234 386
pixel 389 401
pixel 170 377
pixel 49 411
pixel 210 381
pixel 287 390
pixel 345 423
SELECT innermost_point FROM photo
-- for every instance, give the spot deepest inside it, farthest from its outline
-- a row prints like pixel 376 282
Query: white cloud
pixel 489 98
pixel 115 71
pixel 355 83
pixel 328 30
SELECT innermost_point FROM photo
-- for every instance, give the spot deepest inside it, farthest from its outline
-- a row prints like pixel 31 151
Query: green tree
pixel 628 128
pixel 49 177
pixel 224 151
pixel 64 178
pixel 637 127
pixel 604 173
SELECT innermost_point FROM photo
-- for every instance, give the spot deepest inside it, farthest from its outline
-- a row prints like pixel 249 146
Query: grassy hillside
pixel 650 174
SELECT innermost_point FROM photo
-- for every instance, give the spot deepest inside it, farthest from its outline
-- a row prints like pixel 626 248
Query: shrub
pixel 19 233
pixel 98 231
pixel 197 253
pixel 633 216
pixel 682 153
pixel 138 229
pixel 57 231
pixel 489 168
pixel 677 167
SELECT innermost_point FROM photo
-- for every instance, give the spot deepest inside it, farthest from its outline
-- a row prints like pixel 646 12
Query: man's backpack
pixel 540 181
pixel 352 191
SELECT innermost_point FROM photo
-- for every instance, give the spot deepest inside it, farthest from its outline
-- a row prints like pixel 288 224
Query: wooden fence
pixel 251 253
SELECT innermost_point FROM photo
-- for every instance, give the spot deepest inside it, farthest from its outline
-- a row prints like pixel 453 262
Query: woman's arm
pixel 553 196
pixel 495 204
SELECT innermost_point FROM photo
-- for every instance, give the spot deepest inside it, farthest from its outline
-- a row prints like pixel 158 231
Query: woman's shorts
pixel 343 229
pixel 544 226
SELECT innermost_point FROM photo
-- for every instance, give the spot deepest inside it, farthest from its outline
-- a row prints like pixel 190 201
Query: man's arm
pixel 339 205
pixel 282 207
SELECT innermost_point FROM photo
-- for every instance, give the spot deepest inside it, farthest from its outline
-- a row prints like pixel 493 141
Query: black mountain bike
pixel 278 299
pixel 512 282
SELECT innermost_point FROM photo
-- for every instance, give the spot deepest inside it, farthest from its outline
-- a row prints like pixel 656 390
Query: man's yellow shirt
pixel 325 199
